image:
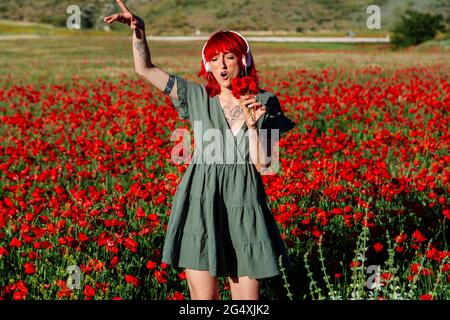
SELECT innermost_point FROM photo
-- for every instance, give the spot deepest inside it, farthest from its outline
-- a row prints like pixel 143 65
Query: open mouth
pixel 224 75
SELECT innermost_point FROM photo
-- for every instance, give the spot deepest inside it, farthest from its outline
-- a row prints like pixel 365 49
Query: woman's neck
pixel 226 94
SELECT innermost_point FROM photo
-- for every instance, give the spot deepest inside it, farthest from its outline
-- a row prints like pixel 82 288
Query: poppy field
pixel 86 177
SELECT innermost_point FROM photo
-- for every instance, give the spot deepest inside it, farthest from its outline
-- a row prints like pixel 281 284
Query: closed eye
pixel 230 57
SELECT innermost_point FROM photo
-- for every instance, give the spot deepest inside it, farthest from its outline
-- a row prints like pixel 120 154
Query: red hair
pixel 224 41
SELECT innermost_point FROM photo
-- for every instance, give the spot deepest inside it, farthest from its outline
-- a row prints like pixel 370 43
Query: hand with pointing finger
pixel 125 17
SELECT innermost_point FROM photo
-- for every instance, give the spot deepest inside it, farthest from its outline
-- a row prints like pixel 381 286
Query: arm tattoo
pixel 233 114
pixel 140 46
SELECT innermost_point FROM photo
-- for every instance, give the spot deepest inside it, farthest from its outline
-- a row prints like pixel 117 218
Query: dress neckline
pixel 243 127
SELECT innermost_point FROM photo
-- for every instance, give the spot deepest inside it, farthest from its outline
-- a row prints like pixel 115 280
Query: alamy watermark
pixel 74 20
pixel 374 280
pixel 215 146
pixel 374 20
pixel 74 279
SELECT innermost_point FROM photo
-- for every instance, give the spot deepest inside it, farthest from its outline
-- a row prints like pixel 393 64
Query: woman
pixel 221 223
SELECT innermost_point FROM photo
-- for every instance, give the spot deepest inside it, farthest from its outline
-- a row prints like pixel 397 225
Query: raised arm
pixel 141 52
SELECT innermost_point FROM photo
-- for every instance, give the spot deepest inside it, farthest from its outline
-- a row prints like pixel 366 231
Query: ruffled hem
pixel 230 241
pixel 260 259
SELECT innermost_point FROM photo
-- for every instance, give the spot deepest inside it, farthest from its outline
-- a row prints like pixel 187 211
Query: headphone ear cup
pixel 207 67
pixel 249 60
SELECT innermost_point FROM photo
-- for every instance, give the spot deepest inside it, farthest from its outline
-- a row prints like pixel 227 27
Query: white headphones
pixel 246 61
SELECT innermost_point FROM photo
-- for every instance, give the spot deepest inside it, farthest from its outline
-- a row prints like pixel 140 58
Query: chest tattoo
pixel 233 114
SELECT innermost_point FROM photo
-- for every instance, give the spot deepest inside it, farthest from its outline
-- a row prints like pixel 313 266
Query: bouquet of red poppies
pixel 243 86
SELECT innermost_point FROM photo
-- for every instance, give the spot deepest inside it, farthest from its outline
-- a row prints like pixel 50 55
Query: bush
pixel 415 28
pixel 54 20
pixel 88 16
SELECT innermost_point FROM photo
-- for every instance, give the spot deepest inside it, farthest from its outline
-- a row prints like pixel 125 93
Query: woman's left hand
pixel 253 110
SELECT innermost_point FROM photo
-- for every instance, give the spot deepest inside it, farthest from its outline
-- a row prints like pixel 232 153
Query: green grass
pixel 8 27
pixel 58 58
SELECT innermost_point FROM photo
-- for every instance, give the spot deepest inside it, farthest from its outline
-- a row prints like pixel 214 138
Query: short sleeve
pixel 274 117
pixel 190 96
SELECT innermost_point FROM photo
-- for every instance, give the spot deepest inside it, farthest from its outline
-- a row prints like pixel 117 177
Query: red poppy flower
pixel 82 237
pixel 182 275
pixel 401 238
pixel 446 213
pixel 133 280
pixel 446 267
pixel 130 244
pixel 150 265
pixel 89 292
pixel 399 249
pixel 15 243
pixel 434 254
pixel 386 276
pixel 64 293
pixel 29 268
pixel 415 268
pixel 418 236
pixel 426 272
pixel 18 295
pixel 175 296
pixel 355 264
pixel 161 276
pixel 3 252
pixel 113 262
pixel 161 199
pixel 378 247
pixel 140 213
pixel 21 290
pixel 243 86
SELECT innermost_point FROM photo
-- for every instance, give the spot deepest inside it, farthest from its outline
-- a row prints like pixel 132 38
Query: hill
pixel 187 16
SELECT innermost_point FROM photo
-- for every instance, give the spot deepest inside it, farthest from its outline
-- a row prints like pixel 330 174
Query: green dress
pixel 220 218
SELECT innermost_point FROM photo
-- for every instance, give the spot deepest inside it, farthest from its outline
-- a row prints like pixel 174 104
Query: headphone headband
pixel 246 61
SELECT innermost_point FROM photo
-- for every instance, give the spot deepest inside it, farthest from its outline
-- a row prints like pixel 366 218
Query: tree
pixel 415 28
